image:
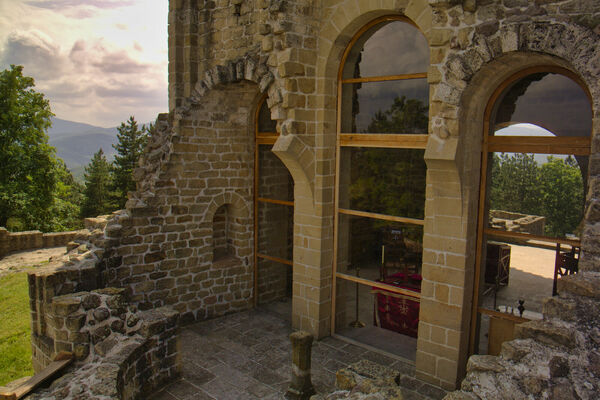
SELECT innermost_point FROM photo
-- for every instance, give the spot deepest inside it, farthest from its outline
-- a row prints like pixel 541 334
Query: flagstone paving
pixel 247 356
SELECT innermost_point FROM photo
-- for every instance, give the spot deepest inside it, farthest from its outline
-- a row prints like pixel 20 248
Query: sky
pixel 97 61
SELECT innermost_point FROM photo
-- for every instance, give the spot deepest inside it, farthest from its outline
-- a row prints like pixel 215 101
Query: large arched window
pixel 534 177
pixel 383 104
pixel 273 216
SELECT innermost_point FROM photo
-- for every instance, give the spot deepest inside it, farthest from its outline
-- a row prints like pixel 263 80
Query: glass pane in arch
pixel 383 181
pixel 537 194
pixel 265 123
pixel 386 107
pixel 549 100
pixel 274 179
pixel 389 48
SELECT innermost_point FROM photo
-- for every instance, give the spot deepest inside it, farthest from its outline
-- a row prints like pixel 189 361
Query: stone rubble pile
pixel 555 358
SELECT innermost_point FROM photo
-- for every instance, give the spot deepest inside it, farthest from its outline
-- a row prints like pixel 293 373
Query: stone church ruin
pixel 341 160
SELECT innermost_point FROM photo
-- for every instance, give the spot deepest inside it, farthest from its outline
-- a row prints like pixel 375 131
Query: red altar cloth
pixel 397 312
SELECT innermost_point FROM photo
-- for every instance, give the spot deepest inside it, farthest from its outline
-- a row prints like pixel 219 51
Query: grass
pixel 15 331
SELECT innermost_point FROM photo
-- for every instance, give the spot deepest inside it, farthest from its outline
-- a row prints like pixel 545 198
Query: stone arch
pixel 511 49
pixel 239 206
pixel 237 221
pixel 335 37
pixel 470 76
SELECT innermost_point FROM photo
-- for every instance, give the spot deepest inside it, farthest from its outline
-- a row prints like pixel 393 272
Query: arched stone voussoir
pixel 239 206
pixel 299 160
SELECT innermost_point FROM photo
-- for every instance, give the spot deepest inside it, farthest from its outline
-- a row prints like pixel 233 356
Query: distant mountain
pixel 76 143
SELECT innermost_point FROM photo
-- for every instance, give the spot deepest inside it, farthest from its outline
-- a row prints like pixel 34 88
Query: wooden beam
pixel 404 220
pixel 379 285
pixel 384 78
pixel 384 140
pixel 60 362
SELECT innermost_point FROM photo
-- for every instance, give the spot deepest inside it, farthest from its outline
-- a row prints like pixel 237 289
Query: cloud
pixel 35 51
pixel 98 70
pixel 63 4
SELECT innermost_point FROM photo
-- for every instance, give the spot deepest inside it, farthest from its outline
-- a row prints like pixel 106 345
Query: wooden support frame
pixel 263 138
pixel 391 141
pixel 515 144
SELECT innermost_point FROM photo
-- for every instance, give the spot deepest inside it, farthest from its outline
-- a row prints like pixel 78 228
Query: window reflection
pixel 386 107
pixel 392 49
pixel 274 179
pixel 265 123
pixel 539 194
pixel 552 101
pixel 383 181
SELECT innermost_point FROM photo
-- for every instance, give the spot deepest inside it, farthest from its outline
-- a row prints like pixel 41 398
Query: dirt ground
pixel 19 261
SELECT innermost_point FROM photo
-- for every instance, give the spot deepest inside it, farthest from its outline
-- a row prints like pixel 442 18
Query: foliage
pixel 562 195
pixel 97 193
pixel 15 345
pixel 28 176
pixel 68 197
pixel 403 116
pixel 553 189
pixel 387 181
pixel 130 146
pixel 515 184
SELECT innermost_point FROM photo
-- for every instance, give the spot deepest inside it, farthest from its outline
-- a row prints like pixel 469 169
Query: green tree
pixel 562 195
pixel 97 195
pixel 68 197
pixel 515 184
pixel 28 177
pixel 403 116
pixel 129 148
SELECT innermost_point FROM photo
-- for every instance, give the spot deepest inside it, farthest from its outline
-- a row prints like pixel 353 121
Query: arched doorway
pixel 534 173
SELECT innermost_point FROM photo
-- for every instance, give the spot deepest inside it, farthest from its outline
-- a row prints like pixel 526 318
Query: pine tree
pixel 97 187
pixel 129 148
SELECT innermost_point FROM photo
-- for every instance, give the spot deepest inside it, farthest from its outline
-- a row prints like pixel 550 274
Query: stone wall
pixel 223 55
pixel 557 358
pixel 18 241
pixel 120 351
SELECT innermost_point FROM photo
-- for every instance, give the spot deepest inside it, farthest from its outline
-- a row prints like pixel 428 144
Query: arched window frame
pixel 262 138
pixel 576 145
pixel 379 140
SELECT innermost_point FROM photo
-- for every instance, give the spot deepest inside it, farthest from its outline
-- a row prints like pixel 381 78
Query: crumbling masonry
pixel 184 247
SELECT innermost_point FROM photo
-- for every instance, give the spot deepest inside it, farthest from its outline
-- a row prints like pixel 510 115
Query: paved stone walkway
pixel 247 356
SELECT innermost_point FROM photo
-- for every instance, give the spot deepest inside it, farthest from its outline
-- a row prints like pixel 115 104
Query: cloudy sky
pixel 97 61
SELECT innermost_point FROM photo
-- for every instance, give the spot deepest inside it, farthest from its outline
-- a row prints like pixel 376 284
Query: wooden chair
pixel 566 263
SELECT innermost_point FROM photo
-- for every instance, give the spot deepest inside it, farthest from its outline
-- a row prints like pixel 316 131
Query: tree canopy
pixel 28 177
pixel 97 196
pixel 129 148
pixel 553 189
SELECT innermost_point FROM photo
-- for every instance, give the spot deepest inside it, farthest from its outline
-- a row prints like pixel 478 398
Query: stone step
pixel 515 350
pixel 547 333
pixel 585 284
pixel 562 308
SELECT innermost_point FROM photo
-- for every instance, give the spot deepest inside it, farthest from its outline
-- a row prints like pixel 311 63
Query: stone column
pixel 301 387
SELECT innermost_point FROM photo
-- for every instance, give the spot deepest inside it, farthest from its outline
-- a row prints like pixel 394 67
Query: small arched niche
pixel 222 233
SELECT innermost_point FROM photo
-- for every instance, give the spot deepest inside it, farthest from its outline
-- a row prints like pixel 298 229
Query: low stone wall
pixel 121 352
pixel 516 222
pixel 131 353
pixel 18 241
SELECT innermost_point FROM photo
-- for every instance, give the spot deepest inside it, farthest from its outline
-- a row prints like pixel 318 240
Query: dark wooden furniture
pixel 566 263
pixel 497 264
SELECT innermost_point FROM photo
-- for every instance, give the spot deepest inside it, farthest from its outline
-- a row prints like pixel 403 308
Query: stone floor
pixel 247 356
